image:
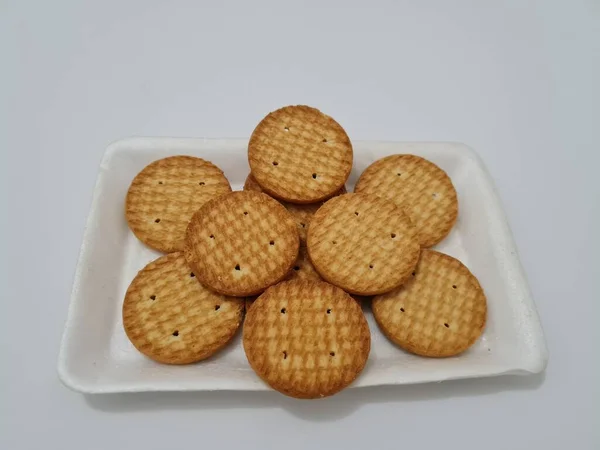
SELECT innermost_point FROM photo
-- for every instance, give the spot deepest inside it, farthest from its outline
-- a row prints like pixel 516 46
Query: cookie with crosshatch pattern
pixel 241 243
pixel 441 311
pixel 171 318
pixel 301 212
pixel 421 188
pixel 306 339
pixel 300 155
pixel 363 243
pixel 163 197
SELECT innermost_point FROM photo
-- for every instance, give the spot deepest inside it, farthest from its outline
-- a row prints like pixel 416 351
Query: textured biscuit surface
pixel 241 243
pixel 251 184
pixel 440 311
pixel 302 213
pixel 421 188
pixel 299 154
pixel 306 339
pixel 249 301
pixel 363 243
pixel 170 317
pixel 303 268
pixel 163 197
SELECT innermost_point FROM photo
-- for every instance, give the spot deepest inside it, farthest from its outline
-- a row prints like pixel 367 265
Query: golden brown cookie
pixel 421 188
pixel 163 197
pixel 252 185
pixel 363 243
pixel 440 311
pixel 306 339
pixel 303 268
pixel 302 213
pixel 241 243
pixel 300 155
pixel 249 301
pixel 170 317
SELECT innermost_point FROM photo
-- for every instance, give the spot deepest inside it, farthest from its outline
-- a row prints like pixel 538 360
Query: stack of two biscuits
pixel 292 227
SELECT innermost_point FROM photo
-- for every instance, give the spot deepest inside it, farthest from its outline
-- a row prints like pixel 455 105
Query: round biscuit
pixel 441 311
pixel 420 187
pixel 302 213
pixel 300 155
pixel 363 243
pixel 163 197
pixel 306 339
pixel 171 318
pixel 241 243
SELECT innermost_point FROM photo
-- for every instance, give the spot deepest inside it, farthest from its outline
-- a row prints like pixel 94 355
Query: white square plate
pixel 96 356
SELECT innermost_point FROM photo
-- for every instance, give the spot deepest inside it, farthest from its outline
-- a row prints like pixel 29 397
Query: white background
pixel 516 80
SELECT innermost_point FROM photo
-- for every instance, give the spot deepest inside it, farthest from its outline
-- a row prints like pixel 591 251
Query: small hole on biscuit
pixel 202 183
pixel 296 267
pixel 160 182
pixel 157 220
pixel 314 175
pixel 356 213
pixel 324 140
pixel 237 267
pixel 275 163
pixel 393 235
pixel 446 325
pixel 286 128
pixel 370 266
pixel 282 310
pixel 334 242
pixel 245 213
pixel 329 311
pixel 414 273
pixel 176 333
pixel 153 297
pixel 303 225
pixel 402 309
pixel 399 174
pixel 434 195
pixel 284 354
pixel 331 353
pixel 453 286
pixel 217 307
pixel 272 243
pixel 212 236
pixel 192 274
